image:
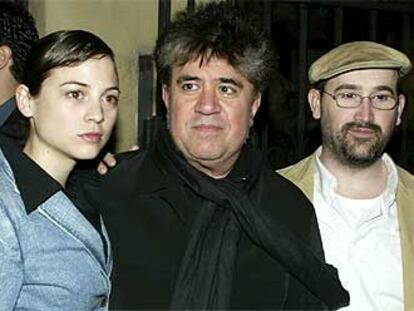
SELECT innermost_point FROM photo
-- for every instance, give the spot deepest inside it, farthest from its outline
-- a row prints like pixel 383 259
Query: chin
pixel 86 154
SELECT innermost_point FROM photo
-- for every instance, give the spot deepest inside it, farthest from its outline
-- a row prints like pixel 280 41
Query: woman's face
pixel 73 115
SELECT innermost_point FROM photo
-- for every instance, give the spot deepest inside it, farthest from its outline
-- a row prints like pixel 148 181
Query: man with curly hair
pixel 199 220
pixel 17 34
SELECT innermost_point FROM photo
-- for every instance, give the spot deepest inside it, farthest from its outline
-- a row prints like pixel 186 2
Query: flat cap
pixel 355 56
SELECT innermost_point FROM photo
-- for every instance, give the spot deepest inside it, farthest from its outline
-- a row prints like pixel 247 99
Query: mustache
pixel 356 124
pixel 207 122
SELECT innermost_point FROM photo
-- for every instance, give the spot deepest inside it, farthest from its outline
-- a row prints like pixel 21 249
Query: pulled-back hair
pixel 219 30
pixel 60 49
pixel 18 32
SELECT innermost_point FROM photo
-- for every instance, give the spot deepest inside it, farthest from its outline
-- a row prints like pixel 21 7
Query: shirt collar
pixel 326 183
pixel 6 109
pixel 34 184
pixel 392 180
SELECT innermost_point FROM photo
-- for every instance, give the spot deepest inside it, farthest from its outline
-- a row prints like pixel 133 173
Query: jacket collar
pixel 157 180
pixel 6 109
pixel 34 184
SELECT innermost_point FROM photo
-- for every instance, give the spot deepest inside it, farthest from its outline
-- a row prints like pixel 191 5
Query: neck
pixel 7 89
pixel 357 183
pixel 52 162
pixel 214 170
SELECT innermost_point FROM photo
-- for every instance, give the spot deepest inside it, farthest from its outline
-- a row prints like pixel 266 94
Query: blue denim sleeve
pixel 11 267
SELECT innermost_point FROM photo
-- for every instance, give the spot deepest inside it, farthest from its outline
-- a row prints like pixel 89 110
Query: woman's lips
pixel 92 137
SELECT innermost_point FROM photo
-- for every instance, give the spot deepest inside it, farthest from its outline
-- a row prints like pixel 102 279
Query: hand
pixel 109 161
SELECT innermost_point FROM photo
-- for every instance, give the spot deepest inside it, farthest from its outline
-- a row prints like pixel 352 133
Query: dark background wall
pixel 303 31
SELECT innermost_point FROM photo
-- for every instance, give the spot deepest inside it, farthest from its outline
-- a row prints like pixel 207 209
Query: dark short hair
pixel 216 29
pixel 18 32
pixel 60 49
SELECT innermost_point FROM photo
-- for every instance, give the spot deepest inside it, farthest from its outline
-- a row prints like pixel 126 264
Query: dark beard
pixel 346 149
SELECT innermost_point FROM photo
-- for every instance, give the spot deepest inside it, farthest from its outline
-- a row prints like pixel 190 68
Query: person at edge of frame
pixel 362 199
pixel 54 251
pixel 18 33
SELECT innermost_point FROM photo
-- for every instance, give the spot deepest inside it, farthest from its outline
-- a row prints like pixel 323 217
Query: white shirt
pixel 361 239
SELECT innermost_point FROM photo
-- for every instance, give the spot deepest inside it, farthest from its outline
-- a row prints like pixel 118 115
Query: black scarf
pixel 205 276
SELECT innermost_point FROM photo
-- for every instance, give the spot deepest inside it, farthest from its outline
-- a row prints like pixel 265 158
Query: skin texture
pixel 7 82
pixel 210 111
pixel 353 139
pixel 356 137
pixel 72 116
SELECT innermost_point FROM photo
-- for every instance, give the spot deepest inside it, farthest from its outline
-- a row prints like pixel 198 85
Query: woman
pixel 54 255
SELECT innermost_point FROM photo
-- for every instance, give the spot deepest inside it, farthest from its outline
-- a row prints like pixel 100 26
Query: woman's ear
pixel 24 101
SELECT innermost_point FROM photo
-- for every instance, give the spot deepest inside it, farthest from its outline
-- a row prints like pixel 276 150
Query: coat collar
pixel 302 174
pixel 34 184
pixel 6 109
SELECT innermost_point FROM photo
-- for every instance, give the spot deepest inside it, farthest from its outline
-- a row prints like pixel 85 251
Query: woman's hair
pixel 61 49
pixel 58 49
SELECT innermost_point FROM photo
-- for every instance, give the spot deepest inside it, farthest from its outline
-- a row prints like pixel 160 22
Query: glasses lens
pixel 348 99
pixel 384 102
pixel 353 100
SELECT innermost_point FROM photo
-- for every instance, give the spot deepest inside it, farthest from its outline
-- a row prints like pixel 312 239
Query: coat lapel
pixel 301 174
pixel 60 210
pixel 405 206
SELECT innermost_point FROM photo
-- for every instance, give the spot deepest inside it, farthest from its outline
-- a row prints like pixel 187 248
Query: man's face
pixel 357 137
pixel 210 110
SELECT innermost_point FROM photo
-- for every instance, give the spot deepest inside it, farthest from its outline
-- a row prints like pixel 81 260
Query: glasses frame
pixel 360 102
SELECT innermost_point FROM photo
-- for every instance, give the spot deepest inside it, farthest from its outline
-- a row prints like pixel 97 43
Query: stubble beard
pixel 351 151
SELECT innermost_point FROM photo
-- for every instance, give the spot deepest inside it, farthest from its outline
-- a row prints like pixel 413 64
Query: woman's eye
pixel 74 94
pixel 112 100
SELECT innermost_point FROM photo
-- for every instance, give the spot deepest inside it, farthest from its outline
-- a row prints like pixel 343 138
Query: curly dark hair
pixel 217 29
pixel 18 32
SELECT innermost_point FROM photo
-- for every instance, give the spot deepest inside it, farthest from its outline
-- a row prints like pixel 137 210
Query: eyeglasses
pixel 354 100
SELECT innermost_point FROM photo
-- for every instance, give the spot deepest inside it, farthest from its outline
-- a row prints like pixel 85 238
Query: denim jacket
pixel 51 258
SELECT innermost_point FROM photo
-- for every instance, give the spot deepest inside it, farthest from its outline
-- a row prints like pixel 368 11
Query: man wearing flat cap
pixel 363 201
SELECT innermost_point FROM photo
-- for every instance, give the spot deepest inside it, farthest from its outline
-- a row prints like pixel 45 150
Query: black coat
pixel 149 215
pixel 16 127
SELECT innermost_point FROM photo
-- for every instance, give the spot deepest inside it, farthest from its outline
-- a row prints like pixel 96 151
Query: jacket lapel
pixel 60 210
pixel 405 197
pixel 301 174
